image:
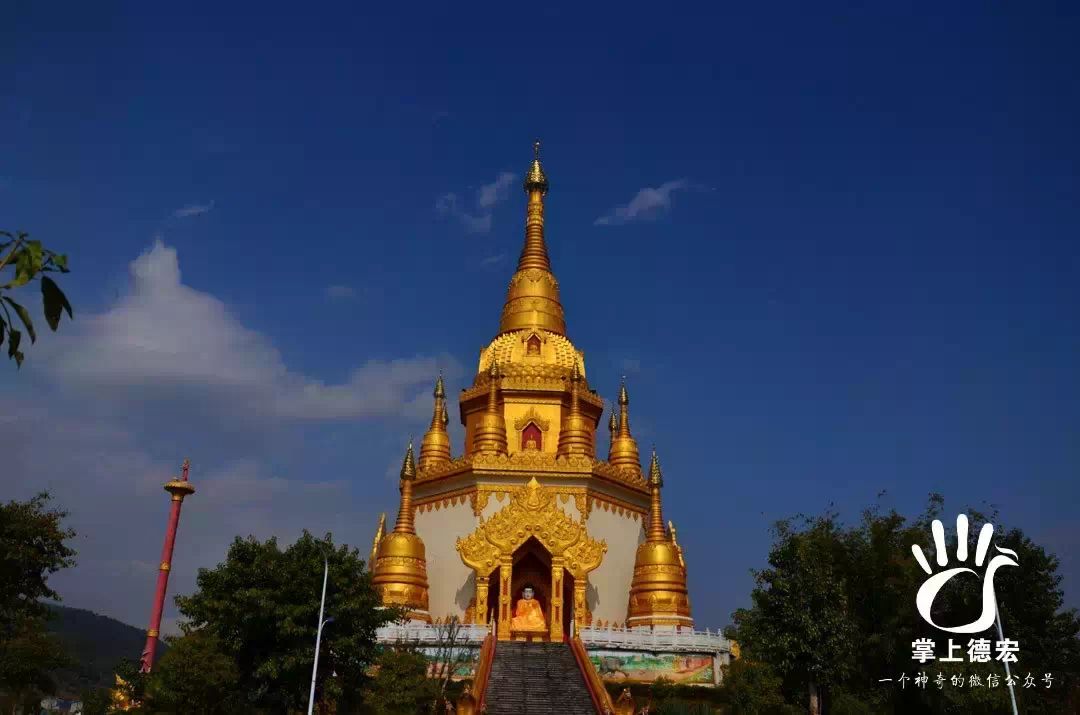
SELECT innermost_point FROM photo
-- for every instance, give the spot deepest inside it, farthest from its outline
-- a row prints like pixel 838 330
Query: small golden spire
pixel 378 537
pixel 490 434
pixel 656 516
pixel 404 523
pixel 400 571
pixel 575 437
pixel 658 594
pixel 435 447
pixel 532 301
pixel 624 449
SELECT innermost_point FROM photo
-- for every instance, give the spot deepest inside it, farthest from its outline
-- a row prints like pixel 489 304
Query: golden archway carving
pixel 532 512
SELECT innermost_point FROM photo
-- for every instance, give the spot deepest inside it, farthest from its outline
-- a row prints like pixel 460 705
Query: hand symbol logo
pixel 929 590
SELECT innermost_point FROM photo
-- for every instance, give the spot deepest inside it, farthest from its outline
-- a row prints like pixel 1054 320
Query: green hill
pixel 96 643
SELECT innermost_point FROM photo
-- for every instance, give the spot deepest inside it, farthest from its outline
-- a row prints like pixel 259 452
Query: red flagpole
pixel 178 488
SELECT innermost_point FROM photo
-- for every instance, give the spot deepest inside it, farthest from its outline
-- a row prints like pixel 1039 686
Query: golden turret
pixel 377 540
pixel 400 573
pixel 490 434
pixel 532 300
pixel 658 595
pixel 435 447
pixel 576 436
pixel 624 449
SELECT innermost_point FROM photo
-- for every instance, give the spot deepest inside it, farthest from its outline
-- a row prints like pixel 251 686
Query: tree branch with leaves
pixel 28 261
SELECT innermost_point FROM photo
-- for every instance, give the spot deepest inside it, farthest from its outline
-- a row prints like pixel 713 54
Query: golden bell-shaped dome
pixel 490 433
pixel 576 436
pixel 624 449
pixel 532 300
pixel 435 447
pixel 400 571
pixel 658 594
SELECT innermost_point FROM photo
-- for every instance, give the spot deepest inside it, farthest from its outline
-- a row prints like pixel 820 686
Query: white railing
pixel 661 639
pixel 424 633
pixel 667 639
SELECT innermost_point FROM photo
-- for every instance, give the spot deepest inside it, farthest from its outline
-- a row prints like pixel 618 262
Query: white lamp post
pixel 318 635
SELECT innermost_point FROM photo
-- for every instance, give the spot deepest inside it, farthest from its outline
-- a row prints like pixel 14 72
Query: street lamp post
pixel 318 634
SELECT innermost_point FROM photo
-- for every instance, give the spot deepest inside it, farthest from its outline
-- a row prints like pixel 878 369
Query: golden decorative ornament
pixel 378 538
pixel 624 449
pixel 400 572
pixel 658 594
pixel 435 447
pixel 576 435
pixel 490 434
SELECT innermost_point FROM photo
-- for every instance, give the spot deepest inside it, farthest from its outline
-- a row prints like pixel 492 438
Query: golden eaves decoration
pixel 532 416
pixel 533 512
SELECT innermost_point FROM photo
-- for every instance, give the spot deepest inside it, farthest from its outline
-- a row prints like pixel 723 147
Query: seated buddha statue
pixel 528 616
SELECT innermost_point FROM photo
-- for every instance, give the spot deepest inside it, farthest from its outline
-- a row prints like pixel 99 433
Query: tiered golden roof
pixel 435 447
pixel 658 595
pixel 400 571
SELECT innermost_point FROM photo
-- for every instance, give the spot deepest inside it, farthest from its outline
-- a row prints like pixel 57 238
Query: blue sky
pixel 845 262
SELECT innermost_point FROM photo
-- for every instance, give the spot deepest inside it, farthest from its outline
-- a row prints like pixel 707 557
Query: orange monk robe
pixel 528 616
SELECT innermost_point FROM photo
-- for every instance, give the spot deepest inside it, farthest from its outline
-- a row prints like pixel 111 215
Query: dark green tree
pixel 801 622
pixel 33 546
pixel 400 685
pixel 262 607
pixel 195 676
pixel 753 688
pixel 871 571
pixel 22 261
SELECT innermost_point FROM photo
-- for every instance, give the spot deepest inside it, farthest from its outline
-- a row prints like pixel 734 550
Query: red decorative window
pixel 532 437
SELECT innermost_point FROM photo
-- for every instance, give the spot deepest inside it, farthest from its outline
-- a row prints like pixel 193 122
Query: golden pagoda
pixel 400 570
pixel 528 519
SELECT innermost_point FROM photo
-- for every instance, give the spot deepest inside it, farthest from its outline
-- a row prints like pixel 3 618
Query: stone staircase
pixel 536 679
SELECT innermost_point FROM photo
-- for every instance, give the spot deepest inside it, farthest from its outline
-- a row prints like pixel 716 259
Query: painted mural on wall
pixel 463 660
pixel 622 665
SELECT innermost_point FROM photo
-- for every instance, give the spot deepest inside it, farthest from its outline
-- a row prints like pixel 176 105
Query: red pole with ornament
pixel 178 488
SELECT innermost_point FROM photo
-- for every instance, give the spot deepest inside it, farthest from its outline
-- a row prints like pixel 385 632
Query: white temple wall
pixel 450 581
pixel 609 585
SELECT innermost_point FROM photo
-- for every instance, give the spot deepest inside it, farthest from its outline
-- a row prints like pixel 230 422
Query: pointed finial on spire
pixel 184 469
pixel 440 389
pixel 655 475
pixel 408 465
pixel 613 421
pixel 535 180
pixel 445 417
pixel 575 373
pixel 624 397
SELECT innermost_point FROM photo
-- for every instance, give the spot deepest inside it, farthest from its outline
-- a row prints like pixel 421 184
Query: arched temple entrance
pixel 532 541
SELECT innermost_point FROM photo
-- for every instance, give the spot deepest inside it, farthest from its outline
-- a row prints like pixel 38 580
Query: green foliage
pixel 195 676
pixel 32 547
pixel 28 260
pixel 262 607
pixel 849 592
pixel 95 701
pixel 754 688
pixel 400 685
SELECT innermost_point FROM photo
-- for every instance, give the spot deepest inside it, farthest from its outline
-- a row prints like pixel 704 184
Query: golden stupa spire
pixel 490 434
pixel 624 449
pixel 404 523
pixel 400 572
pixel 575 437
pixel 378 538
pixel 655 531
pixel 532 301
pixel 658 595
pixel 435 447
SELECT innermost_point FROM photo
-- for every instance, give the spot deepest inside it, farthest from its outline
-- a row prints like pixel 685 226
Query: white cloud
pixel 478 220
pixel 496 191
pixel 647 203
pixel 490 261
pixel 164 336
pixel 193 210
pixel 340 292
